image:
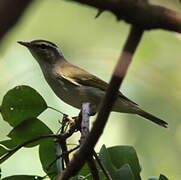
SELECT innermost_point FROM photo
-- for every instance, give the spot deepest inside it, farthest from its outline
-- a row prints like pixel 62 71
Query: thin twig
pixel 65 157
pixel 57 110
pixel 63 144
pixel 16 148
pixel 54 161
pixel 93 168
pixel 84 116
pixel 64 135
pixel 106 173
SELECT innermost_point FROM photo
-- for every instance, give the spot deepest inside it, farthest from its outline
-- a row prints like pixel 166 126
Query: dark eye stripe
pixel 42 46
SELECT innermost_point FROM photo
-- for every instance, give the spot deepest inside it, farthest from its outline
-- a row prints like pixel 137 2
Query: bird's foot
pixel 71 120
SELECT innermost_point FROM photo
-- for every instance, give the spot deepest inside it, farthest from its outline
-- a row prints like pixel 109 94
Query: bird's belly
pixel 75 95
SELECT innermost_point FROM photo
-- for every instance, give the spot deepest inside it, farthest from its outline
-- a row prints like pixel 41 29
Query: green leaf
pixel 115 157
pixel 121 155
pixel 162 177
pixel 22 103
pixel 23 177
pixel 47 154
pixel 85 170
pixel 28 130
pixel 4 147
pixel 125 172
pixel 86 174
pixel 106 160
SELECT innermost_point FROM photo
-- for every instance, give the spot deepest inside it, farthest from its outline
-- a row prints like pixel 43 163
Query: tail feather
pixel 153 118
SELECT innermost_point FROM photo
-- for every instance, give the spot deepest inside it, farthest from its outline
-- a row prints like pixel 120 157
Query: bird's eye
pixel 42 46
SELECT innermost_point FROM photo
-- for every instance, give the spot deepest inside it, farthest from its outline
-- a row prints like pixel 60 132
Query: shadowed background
pixel 153 81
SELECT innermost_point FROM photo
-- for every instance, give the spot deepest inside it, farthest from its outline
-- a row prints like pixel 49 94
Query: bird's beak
pixel 27 44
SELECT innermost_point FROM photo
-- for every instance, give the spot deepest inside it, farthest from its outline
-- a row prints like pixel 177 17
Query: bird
pixel 75 86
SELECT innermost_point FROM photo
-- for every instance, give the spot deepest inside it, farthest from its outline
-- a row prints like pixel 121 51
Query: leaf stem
pixel 57 110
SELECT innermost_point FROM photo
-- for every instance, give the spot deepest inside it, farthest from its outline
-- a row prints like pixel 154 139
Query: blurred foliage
pixel 153 80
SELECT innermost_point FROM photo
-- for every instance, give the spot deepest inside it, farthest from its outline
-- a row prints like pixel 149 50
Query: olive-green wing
pixel 78 76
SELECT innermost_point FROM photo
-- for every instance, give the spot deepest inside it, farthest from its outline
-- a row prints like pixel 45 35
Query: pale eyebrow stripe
pixel 45 42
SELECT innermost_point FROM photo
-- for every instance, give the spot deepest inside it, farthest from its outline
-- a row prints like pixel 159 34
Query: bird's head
pixel 43 51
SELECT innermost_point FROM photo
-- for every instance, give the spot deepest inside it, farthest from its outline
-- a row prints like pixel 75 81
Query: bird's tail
pixel 152 118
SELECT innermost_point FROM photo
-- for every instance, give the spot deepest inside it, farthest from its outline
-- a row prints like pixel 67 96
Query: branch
pixel 63 143
pixel 10 12
pixel 139 13
pixel 13 150
pixel 69 171
pixel 61 155
pixel 84 132
pixel 85 122
pixel 87 148
pixel 59 137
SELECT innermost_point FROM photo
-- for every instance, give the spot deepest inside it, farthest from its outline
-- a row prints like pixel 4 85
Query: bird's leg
pixel 71 120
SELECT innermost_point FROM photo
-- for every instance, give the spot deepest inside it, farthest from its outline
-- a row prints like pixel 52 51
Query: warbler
pixel 76 86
